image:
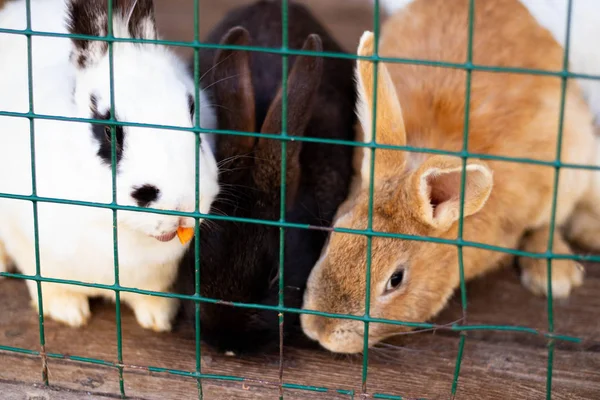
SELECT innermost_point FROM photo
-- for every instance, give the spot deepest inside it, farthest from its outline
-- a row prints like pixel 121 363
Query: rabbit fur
pixel 584 54
pixel 155 167
pixel 506 204
pixel 240 261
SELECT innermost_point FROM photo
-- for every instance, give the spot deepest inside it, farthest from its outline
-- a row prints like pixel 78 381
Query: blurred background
pixel 345 19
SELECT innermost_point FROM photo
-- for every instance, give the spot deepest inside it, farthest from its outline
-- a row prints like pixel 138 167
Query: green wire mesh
pixel 463 328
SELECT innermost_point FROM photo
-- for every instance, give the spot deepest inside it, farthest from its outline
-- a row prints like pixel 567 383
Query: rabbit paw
pixel 584 229
pixel 155 313
pixel 566 275
pixel 70 308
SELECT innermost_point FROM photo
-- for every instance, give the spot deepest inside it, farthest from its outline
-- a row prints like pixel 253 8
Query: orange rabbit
pixel 507 204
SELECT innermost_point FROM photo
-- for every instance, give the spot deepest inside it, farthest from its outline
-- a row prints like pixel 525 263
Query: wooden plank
pixel 422 365
pixel 18 391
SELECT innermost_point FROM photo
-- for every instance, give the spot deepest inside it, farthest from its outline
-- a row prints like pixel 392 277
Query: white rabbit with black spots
pixel 155 168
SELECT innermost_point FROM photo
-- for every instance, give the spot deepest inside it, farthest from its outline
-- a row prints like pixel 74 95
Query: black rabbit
pixel 240 261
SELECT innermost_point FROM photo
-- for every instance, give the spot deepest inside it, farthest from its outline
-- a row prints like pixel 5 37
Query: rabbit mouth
pixel 166 237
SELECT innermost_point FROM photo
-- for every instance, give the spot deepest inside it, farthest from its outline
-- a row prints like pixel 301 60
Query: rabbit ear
pixel 233 91
pixel 88 17
pixel 390 124
pixel 132 18
pixel 139 17
pixel 436 187
pixel 302 86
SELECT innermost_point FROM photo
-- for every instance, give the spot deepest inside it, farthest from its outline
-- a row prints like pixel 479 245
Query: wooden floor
pixel 496 365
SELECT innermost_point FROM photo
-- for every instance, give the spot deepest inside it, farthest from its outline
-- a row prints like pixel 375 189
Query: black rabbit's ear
pixel 302 87
pixel 234 95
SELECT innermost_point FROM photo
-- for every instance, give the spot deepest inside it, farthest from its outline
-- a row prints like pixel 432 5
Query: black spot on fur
pixel 145 195
pixel 103 135
pixel 192 106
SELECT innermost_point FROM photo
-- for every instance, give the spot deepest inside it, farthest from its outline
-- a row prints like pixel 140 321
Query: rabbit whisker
pixel 221 80
pixel 213 67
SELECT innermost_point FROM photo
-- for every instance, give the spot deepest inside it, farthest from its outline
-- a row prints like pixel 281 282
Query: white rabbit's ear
pixel 88 17
pixel 131 19
pixel 139 18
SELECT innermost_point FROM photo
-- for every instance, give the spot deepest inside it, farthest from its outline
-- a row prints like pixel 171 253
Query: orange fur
pixel 511 115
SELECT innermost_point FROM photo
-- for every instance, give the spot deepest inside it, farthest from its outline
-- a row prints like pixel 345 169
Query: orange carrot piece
pixel 185 234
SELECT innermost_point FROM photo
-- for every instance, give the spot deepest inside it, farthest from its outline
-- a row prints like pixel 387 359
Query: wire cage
pixel 196 45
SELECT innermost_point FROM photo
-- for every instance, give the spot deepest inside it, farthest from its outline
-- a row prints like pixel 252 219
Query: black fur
pixel 146 194
pixel 240 261
pixel 192 106
pixel 103 135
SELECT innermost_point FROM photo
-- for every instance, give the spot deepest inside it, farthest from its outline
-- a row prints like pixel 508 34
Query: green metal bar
pixel 461 347
pixel 113 139
pixel 294 52
pixel 464 243
pixel 284 108
pixel 428 326
pixel 153 369
pixel 369 250
pixel 559 141
pixel 426 150
pixel 465 148
pixel 282 208
pixel 197 249
pixel 34 203
pixel 391 397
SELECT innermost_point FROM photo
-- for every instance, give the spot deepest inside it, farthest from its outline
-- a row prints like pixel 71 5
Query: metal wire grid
pixel 285 52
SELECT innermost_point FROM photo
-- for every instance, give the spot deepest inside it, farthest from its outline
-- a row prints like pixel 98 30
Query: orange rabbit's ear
pixel 437 185
pixel 390 128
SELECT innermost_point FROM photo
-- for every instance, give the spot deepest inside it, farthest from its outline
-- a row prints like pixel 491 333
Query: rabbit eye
pixel 103 134
pixel 395 281
pixel 118 135
pixel 107 133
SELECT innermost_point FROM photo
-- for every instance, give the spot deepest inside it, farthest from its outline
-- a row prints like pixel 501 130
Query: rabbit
pixel 506 204
pixel 240 261
pixel 584 58
pixel 155 167
pixel 584 53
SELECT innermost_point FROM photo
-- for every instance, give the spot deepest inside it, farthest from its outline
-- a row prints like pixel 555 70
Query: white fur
pixel 584 53
pixel 390 6
pixel 150 86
